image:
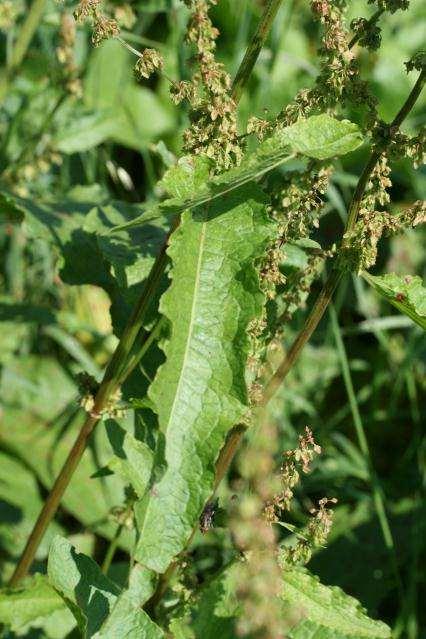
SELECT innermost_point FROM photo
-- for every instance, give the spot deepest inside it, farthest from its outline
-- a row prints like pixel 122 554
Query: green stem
pixel 378 496
pixel 109 556
pixel 115 374
pixel 254 48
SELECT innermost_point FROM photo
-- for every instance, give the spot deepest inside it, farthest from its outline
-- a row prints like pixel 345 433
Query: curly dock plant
pixel 215 301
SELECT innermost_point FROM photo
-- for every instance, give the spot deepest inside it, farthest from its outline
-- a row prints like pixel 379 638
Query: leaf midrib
pixel 191 325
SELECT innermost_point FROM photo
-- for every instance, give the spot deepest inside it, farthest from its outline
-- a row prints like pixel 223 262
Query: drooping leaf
pixel 318 137
pixel 99 606
pixel 35 605
pixel 405 292
pixel 328 606
pixel 200 391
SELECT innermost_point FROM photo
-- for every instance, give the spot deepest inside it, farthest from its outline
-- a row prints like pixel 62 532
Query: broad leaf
pixel 319 136
pixel 35 605
pixel 99 606
pixel 200 391
pixel 329 607
pixel 405 292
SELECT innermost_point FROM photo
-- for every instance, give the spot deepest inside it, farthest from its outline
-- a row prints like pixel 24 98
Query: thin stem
pixel 114 375
pixel 109 556
pixel 378 495
pixel 254 48
pixel 368 25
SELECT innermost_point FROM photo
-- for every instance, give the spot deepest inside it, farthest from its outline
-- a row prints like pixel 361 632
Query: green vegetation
pixel 211 217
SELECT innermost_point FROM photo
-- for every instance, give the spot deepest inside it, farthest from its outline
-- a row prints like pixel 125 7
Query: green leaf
pixel 200 391
pixel 318 137
pixel 99 606
pixel 405 292
pixel 329 607
pixel 35 605
pixel 311 630
pixel 321 136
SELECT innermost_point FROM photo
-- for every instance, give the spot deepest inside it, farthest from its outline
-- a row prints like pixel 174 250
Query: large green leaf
pixel 35 605
pixel 319 136
pixel 329 607
pixel 405 292
pixel 99 606
pixel 200 391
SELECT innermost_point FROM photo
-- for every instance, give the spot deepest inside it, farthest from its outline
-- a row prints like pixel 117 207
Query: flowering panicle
pixel 148 62
pixel 296 460
pixel 213 128
pixel 338 81
pixel 103 27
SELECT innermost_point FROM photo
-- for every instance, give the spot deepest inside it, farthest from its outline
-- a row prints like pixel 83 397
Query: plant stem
pixel 336 274
pixel 109 556
pixel 254 48
pixel 115 373
pixel 378 496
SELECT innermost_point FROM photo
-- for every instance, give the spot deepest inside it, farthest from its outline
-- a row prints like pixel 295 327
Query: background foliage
pixel 111 141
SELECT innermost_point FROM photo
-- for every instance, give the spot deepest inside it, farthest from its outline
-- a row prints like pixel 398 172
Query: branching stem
pixel 336 274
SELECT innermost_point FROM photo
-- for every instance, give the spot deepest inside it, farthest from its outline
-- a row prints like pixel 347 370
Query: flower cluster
pixel 391 5
pixel 213 128
pixel 367 33
pixel 103 27
pixel 338 81
pixel 294 460
pixel 148 62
